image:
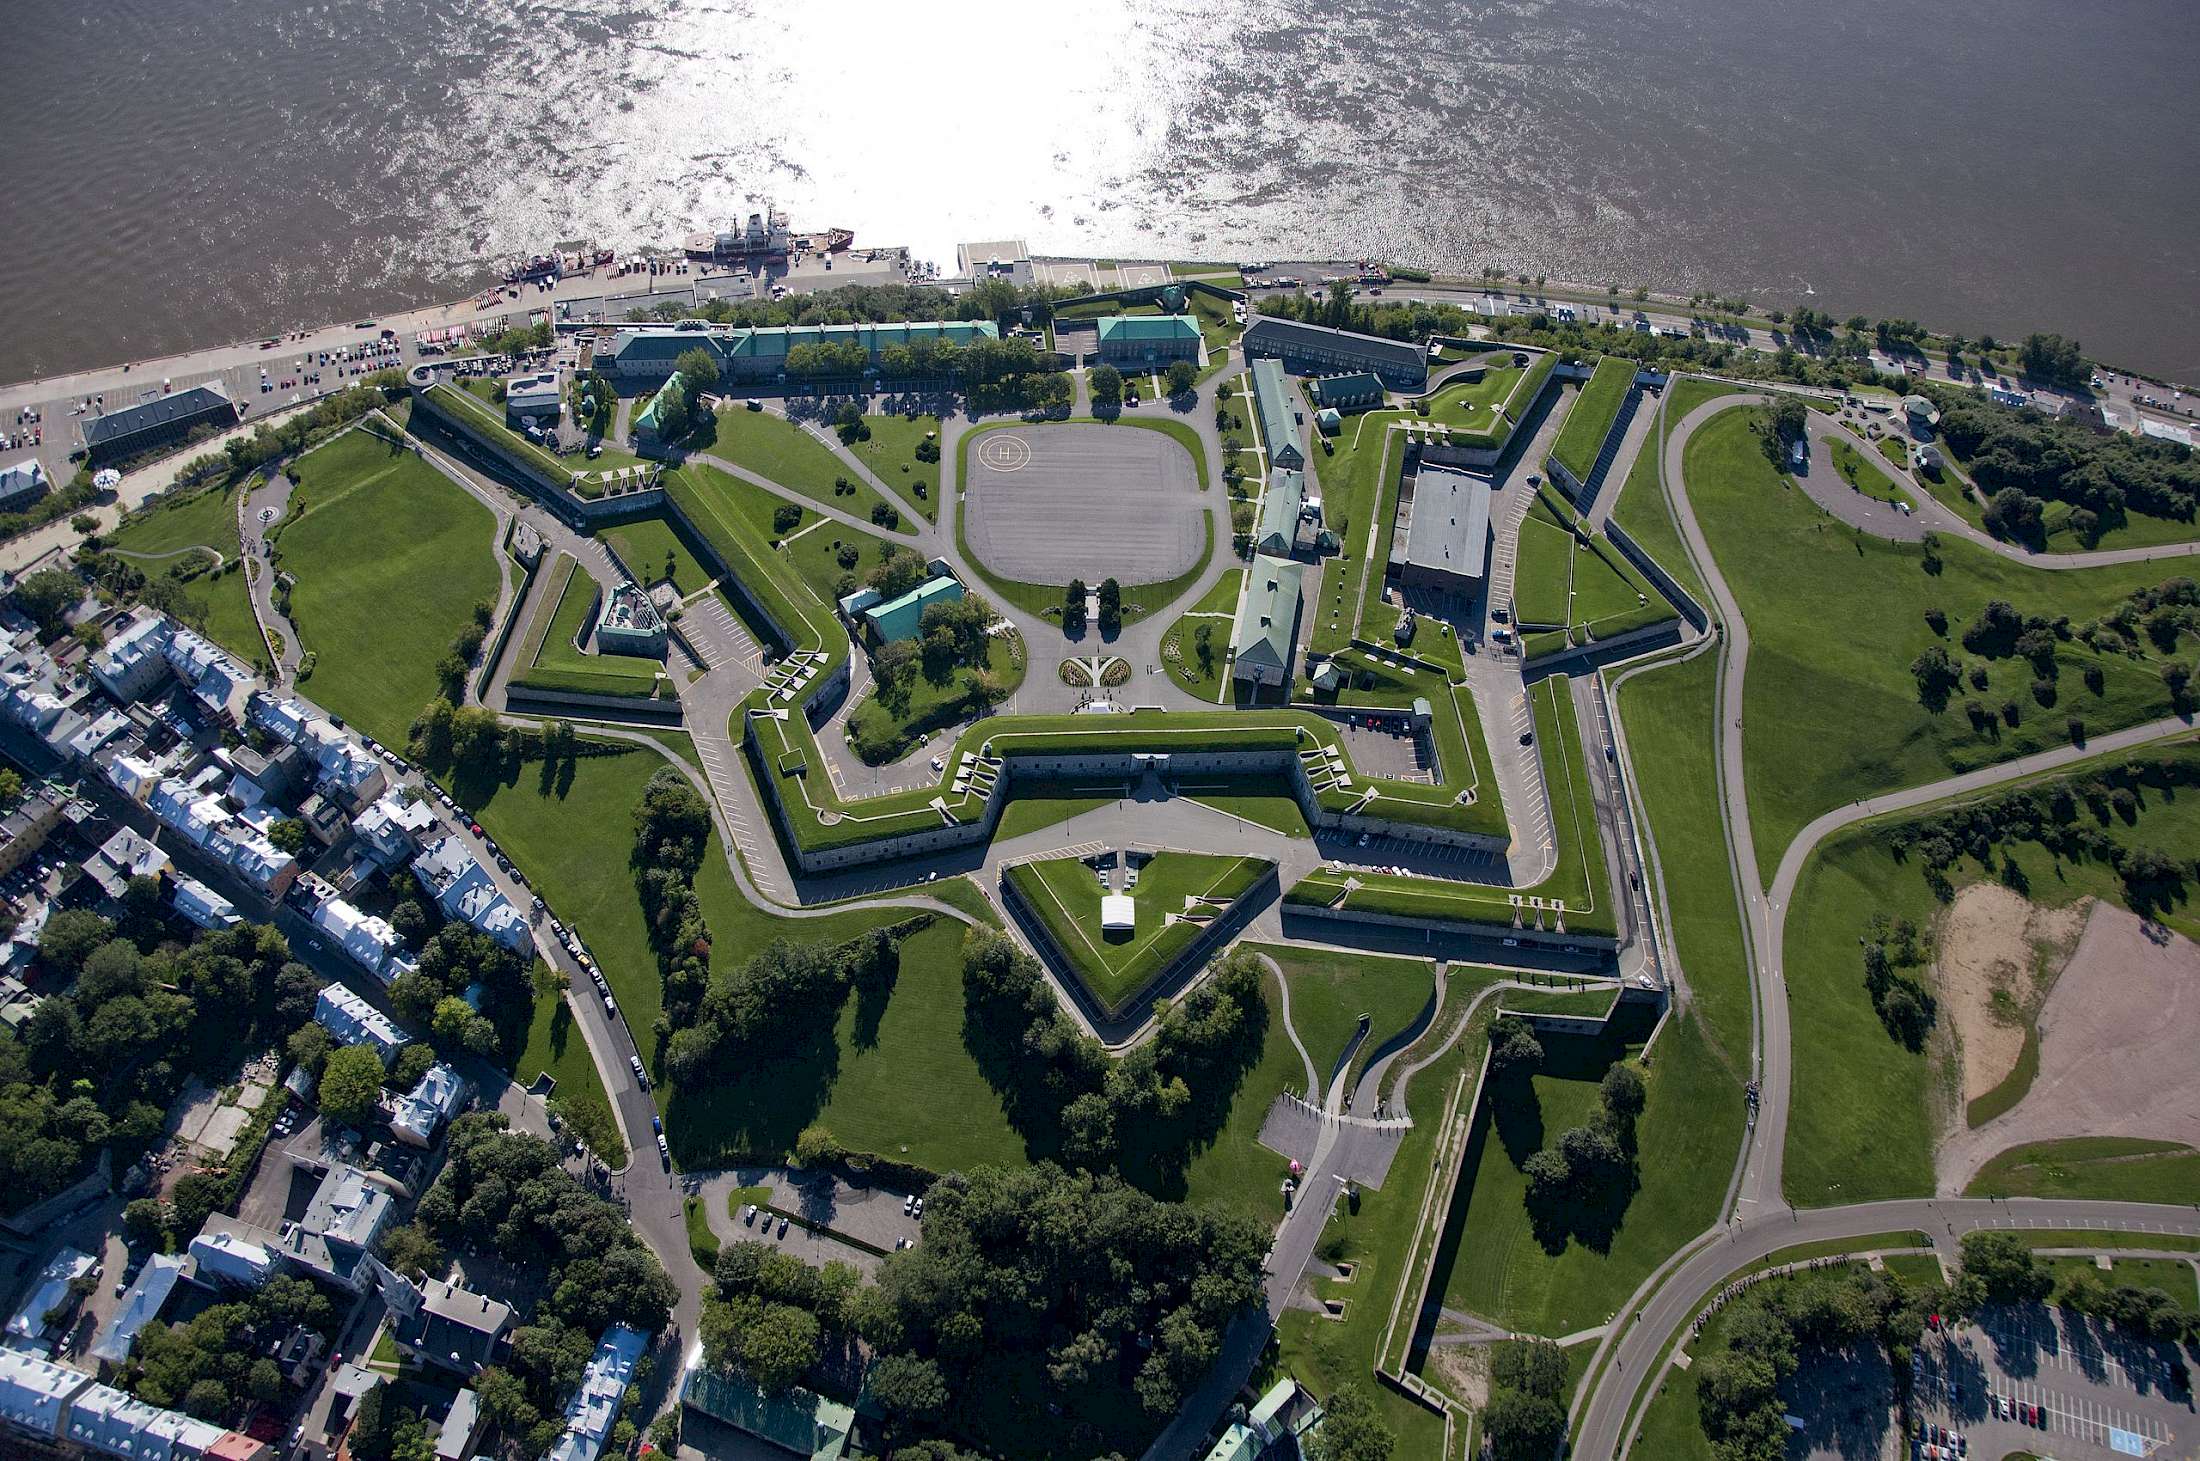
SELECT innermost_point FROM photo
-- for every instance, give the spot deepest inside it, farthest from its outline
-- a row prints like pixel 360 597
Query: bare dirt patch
pixel 2119 1048
pixel 1998 956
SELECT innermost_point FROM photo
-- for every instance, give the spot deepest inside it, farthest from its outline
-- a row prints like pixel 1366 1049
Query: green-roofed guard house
pixel 649 433
pixel 1267 623
pixel 797 1423
pixel 1141 340
pixel 902 618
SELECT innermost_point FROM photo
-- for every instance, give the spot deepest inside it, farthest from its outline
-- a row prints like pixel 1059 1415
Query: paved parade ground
pixel 1046 504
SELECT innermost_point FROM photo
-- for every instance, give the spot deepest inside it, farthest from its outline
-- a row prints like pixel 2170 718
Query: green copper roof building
pixel 1149 338
pixel 646 420
pixel 903 617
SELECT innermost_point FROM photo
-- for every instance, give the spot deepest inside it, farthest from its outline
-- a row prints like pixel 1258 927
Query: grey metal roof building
pixel 1447 538
pixel 1319 350
pixel 152 423
pixel 1279 427
pixel 1278 529
pixel 1267 622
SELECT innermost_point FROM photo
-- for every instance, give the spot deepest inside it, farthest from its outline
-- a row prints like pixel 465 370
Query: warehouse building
pixel 1267 623
pixel 1277 408
pixel 159 422
pixel 1448 532
pixel 1142 340
pixel 1318 350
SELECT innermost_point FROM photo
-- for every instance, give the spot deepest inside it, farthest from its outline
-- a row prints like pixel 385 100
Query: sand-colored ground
pixel 1993 940
pixel 2119 1048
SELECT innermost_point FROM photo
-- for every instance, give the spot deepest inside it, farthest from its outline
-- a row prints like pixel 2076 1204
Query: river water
pixel 183 172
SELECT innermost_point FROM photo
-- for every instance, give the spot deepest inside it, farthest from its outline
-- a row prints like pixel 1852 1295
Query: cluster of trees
pixel 773 1317
pixel 453 960
pixel 697 368
pixel 1900 999
pixel 217 1364
pixel 2024 459
pixel 97 1067
pixel 672 829
pixel 504 1193
pixel 1111 608
pixel 2000 632
pixel 2053 359
pixel 1142 1114
pixel 2054 815
pixel 952 637
pixel 1106 383
pixel 1071 1288
pixel 458 660
pixel 1781 427
pixel 46 599
pixel 675 405
pixel 861 304
pixel 1352 1429
pixel 1526 1416
pixel 1769 1328
pixel 1073 608
pixel 784 998
pixel 467 739
pixel 1580 1185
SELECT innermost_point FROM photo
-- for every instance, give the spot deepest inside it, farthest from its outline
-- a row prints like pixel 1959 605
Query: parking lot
pixel 2094 1393
pixel 1389 747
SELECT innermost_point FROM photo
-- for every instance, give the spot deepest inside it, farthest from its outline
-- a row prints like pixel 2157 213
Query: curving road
pixel 1760 1219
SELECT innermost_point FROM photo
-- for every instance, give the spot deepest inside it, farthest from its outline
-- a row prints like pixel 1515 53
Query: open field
pixel 1498 1265
pixel 1582 584
pixel 1350 469
pixel 1642 509
pixel 1836 619
pixel 1473 404
pixel 890 451
pixel 2124 1169
pixel 390 558
pixel 1867 1111
pixel 648 545
pixel 207 517
pixel 1669 715
pixel 820 552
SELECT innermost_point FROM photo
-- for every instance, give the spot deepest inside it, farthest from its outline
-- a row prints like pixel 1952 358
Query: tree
pixel 778 1345
pixel 69 938
pixel 1181 377
pixel 1106 382
pixel 2052 359
pixel 908 1388
pixel 1073 608
pixel 11 786
pixel 1111 607
pixel 2004 1267
pixel 412 1250
pixel 1523 1427
pixel 699 368
pixel 289 834
pixel 1936 676
pixel 47 596
pixel 351 1085
pixel 145 1219
pixel 1623 1094
pixel 1352 1430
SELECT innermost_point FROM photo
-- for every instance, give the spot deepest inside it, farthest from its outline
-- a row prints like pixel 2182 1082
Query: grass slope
pixel 772 446
pixel 389 559
pixel 2122 1169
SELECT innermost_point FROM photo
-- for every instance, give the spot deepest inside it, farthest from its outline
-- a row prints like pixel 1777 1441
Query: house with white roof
pixel 131 663
pixel 369 940
pixel 595 1405
pixel 141 1305
pixel 422 1113
pixel 393 828
pixel 28 1327
pixel 355 1022
pixel 465 891
pixel 227 1257
pixel 200 904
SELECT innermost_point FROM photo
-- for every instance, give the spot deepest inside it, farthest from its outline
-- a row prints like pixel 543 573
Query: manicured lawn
pixel 1256 801
pixel 1331 989
pixel 1349 479
pixel 1862 474
pixel 207 517
pixel 1180 647
pixel 1866 1111
pixel 1236 1172
pixel 648 545
pixel 903 1085
pixel 882 734
pixel 225 601
pixel 390 558
pixel 1642 509
pixel 555 1045
pixel 1543 573
pixel 1473 404
pixel 2123 1169
pixel 817 549
pixel 1610 597
pixel 1670 716
pixel 1687 1137
pixel 1836 618
pixel 1590 420
pixel 2171 1275
pixel 891 453
pixel 1065 895
pixel 772 446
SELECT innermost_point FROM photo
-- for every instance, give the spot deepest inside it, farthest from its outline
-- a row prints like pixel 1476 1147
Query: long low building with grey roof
pixel 1266 630
pixel 1447 534
pixel 1319 350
